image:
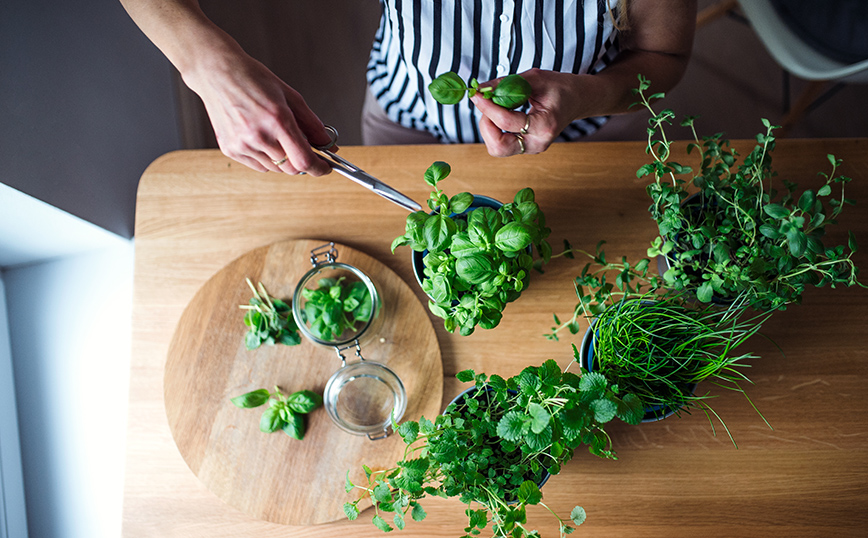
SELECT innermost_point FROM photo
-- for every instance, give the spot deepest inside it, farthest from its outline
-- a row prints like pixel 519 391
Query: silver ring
pixel 281 161
pixel 526 125
pixel 520 139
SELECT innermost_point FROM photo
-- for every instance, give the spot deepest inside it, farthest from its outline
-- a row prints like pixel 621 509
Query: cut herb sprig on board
pixel 284 412
pixel 269 320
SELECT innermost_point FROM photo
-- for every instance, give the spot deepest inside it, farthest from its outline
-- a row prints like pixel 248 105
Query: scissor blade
pixel 376 186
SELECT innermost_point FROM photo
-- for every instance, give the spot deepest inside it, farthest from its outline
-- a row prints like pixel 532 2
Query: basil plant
pixel 476 259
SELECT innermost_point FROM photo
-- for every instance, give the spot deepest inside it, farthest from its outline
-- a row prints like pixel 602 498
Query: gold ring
pixel 526 125
pixel 520 139
pixel 281 161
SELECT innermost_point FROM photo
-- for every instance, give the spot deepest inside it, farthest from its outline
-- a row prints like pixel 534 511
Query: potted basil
pixel 494 446
pixel 476 256
pixel 743 233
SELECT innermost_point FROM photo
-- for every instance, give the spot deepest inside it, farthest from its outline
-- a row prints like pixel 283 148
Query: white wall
pixel 69 306
pixel 13 518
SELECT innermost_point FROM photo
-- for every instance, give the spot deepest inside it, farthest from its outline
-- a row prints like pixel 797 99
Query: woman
pixel 580 57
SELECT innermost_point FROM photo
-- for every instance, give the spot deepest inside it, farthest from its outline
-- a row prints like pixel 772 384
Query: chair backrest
pixel 794 54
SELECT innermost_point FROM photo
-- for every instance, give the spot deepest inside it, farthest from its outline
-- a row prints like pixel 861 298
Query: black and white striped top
pixel 419 39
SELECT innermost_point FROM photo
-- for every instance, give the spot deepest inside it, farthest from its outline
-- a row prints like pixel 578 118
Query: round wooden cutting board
pixel 272 476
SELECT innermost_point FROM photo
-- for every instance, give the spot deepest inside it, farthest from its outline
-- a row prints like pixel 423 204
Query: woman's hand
pixel 556 100
pixel 258 119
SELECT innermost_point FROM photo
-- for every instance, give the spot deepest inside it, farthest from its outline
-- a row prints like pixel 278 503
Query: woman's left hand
pixel 556 100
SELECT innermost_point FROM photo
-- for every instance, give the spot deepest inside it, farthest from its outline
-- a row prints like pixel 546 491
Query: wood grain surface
pixel 208 364
pixel 808 477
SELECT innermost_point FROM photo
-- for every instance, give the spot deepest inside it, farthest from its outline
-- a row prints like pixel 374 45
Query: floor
pixel 731 81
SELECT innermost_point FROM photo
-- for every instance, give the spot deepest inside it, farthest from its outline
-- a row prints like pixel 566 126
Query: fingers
pixel 506 132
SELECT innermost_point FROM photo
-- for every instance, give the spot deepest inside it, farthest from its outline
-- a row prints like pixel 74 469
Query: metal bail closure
pixel 331 253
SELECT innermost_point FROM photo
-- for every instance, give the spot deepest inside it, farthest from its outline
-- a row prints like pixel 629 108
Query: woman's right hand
pixel 258 119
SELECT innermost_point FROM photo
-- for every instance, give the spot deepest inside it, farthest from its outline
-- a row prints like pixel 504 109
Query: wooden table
pixel 197 211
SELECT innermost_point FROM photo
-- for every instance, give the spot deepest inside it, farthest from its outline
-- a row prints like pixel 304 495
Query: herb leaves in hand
pixel 511 92
pixel 284 412
pixel 269 320
pixel 335 307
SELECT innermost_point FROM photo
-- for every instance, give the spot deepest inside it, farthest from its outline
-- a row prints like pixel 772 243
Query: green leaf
pixel 251 399
pixel 578 515
pixel 825 190
pixel 806 200
pixel 797 241
pixel 460 202
pixel 593 382
pixel 630 409
pixel 604 410
pixel 776 211
pixel 529 493
pixel 512 426
pixel 348 486
pixel 382 493
pixel 851 241
pixel 399 521
pixel 447 89
pixel 304 401
pixel 409 431
pixel 437 232
pixel 381 524
pixel 475 269
pixel 705 292
pixel 270 420
pixel 418 513
pixel 512 92
pixel 540 418
pixel 465 376
pixel 514 236
pixel 351 511
pixel 294 426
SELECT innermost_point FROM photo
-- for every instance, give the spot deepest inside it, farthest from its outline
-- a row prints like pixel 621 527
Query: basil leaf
pixel 461 202
pixel 438 231
pixel 512 92
pixel 514 236
pixel 304 401
pixel 448 88
pixel 271 420
pixel 475 268
pixel 251 399
pixel 294 426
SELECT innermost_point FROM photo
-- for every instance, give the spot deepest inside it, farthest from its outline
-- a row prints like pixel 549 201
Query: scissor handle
pixel 333 136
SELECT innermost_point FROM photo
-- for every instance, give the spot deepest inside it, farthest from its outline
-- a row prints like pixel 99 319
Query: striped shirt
pixel 420 39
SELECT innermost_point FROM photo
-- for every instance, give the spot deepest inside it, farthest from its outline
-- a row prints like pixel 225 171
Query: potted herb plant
pixel 656 343
pixel 473 258
pixel 731 229
pixel 495 445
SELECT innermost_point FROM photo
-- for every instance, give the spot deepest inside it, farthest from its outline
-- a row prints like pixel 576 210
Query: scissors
pixel 354 173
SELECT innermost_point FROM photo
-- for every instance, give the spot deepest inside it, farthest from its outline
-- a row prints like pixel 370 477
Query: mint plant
pixel 511 92
pixel 477 261
pixel 745 234
pixel 495 446
pixel 336 306
pixel 269 320
pixel 284 413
